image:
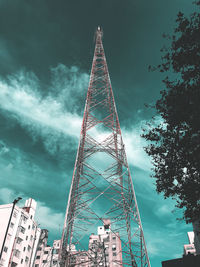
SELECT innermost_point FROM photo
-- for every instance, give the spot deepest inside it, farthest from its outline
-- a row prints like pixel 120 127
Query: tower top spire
pixel 99 32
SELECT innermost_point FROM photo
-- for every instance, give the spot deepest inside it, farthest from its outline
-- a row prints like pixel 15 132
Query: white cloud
pixel 159 242
pixel 9 167
pixel 165 209
pixel 7 196
pixel 134 146
pixel 69 84
pixel 153 249
pixel 30 108
pixel 48 218
pixel 3 148
pixel 51 116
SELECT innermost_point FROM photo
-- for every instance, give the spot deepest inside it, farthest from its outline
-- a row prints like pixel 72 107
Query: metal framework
pixel 101 184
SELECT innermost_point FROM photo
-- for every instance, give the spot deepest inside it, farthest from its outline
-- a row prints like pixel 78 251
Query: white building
pixel 105 247
pixel 104 250
pixel 190 248
pixel 56 249
pixel 22 237
pixel 47 256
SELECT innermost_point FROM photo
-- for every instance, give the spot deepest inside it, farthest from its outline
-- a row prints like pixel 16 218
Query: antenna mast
pixel 102 189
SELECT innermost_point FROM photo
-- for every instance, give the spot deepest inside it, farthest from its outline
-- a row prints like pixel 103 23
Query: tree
pixel 174 143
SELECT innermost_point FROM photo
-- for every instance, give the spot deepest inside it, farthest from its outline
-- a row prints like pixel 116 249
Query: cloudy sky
pixel 46 50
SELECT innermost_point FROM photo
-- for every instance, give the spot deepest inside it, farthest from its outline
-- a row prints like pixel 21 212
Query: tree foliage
pixel 174 143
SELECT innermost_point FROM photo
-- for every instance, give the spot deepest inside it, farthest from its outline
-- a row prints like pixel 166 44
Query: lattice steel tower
pixel 102 188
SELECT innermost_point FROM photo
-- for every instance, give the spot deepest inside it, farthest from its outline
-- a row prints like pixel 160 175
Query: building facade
pixel 190 248
pixel 22 237
pixel 104 250
pixel 47 256
pixel 105 247
pixel 43 250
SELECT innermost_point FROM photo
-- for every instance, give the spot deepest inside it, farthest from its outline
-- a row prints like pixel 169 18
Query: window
pixel 31 238
pixel 114 254
pixel 11 225
pixel 46 252
pixel 22 260
pixel 55 251
pixel 19 240
pixel 24 218
pixel 38 257
pixel 29 227
pixel 14 214
pixel 114 238
pixel 44 261
pixel 22 229
pixel 5 249
pixel 26 237
pixel 26 259
pixel 17 253
pixel 29 248
pixel 24 248
pixel 9 236
pixel 36 265
pixel 31 216
pixel 114 247
pixel 33 226
pixel 107 239
pixel 106 227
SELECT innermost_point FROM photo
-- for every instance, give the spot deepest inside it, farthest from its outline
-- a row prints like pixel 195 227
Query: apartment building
pixel 43 253
pixel 105 247
pixel 47 256
pixel 22 237
pixel 104 250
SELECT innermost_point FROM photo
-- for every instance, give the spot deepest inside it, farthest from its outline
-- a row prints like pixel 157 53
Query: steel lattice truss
pixel 101 185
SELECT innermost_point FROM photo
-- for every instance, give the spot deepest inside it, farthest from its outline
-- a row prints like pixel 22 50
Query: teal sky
pixel 46 50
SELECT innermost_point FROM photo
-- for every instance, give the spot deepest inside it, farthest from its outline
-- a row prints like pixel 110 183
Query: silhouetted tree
pixel 174 143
